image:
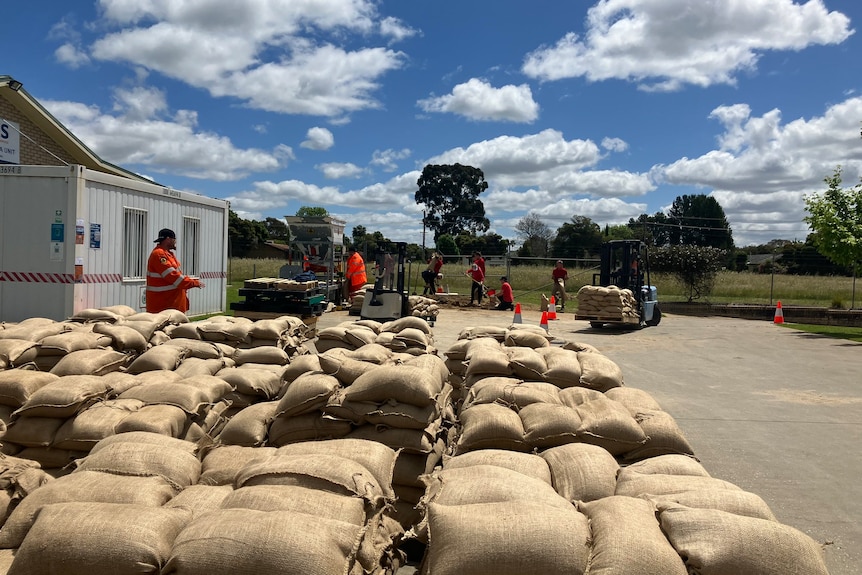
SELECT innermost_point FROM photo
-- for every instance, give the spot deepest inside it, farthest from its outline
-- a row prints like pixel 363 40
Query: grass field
pixel 530 282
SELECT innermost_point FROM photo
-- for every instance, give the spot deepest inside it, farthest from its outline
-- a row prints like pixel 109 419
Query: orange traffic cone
pixel 517 318
pixel 779 313
pixel 552 309
pixel 544 323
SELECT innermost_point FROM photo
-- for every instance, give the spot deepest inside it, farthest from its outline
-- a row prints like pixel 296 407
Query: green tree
pixel 312 212
pixel 696 267
pixel 244 235
pixel 277 230
pixel 535 235
pixel 447 246
pixel 835 217
pixel 699 220
pixel 654 229
pixel 619 232
pixel 450 194
pixel 577 239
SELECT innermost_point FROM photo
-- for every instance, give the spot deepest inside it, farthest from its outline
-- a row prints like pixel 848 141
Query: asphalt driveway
pixel 776 411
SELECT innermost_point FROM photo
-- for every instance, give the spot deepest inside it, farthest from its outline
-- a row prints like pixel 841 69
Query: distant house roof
pixel 29 107
pixel 757 259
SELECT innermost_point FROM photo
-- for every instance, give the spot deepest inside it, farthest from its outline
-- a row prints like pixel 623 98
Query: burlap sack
pixel 401 383
pixel 346 369
pixel 64 397
pixel 634 484
pixel 575 396
pixel 627 538
pixel 264 354
pixel 563 368
pixel 307 393
pixel 17 385
pixel 306 427
pixel 299 365
pixel 609 424
pixel 258 382
pixel 635 400
pixel 221 463
pixel 524 463
pixel 598 371
pixel 33 431
pixel 194 366
pixel 167 357
pixel 410 440
pixel 168 443
pixel 730 500
pixel 94 424
pixel 83 486
pixel 107 538
pixel 548 425
pixel 673 464
pixel 664 436
pixel 465 539
pixel 372 353
pixel 315 502
pixel 190 399
pixel 168 420
pixel 490 426
pixel 90 362
pixel 264 542
pixel 122 337
pixel 515 395
pixel 199 499
pixel 75 340
pixel 176 466
pixel 720 543
pixel 582 472
pixel 250 426
pixel 327 472
pixel 526 363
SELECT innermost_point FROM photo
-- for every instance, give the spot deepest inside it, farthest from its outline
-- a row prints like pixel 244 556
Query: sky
pixel 606 109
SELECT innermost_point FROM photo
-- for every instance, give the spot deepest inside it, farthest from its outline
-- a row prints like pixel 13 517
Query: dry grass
pixel 529 282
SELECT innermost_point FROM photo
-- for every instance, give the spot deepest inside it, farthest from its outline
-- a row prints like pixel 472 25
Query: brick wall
pixel 35 152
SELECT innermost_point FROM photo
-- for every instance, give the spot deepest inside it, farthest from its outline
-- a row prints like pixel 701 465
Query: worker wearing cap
pixel 166 283
pixel 559 275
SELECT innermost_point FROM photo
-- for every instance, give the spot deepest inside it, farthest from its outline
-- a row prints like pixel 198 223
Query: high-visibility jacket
pixel 166 283
pixel 355 273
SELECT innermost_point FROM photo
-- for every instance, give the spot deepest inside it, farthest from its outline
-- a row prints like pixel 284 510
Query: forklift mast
pixel 625 264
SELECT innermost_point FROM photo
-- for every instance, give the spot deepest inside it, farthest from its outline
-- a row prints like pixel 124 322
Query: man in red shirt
pixel 507 298
pixel 166 283
pixel 559 275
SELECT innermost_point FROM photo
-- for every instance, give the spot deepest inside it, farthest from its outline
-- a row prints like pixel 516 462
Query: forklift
pixel 625 264
pixel 389 302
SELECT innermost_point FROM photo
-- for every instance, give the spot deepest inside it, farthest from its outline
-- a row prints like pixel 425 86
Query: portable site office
pixel 73 238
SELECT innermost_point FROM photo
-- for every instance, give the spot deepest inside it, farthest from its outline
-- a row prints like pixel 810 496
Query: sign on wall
pixel 10 142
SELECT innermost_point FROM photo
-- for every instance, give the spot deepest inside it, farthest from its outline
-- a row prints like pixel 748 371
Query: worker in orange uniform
pixel 166 283
pixel 355 274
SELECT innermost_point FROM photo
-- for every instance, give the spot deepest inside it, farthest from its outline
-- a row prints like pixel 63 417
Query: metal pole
pixel 772 279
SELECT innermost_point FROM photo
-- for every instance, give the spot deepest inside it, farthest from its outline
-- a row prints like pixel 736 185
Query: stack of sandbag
pixel 408 334
pixel 607 302
pixel 288 333
pixel 18 478
pixel 484 517
pixel 421 306
pixel 19 342
pixel 107 515
pixel 317 507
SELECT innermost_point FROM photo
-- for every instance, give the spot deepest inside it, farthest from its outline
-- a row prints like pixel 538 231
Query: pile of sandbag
pixel 421 306
pixel 146 503
pixel 607 302
pixel 409 334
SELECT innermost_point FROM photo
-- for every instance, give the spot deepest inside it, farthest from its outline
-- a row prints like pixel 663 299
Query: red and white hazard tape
pixel 36 277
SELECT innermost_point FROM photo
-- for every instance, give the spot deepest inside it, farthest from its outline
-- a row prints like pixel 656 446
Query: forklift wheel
pixel 656 316
pixel 596 324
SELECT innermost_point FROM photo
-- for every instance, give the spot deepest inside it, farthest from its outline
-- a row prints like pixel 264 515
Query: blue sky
pixel 606 109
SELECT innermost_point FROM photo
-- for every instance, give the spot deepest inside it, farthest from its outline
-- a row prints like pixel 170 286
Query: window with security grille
pixel 191 246
pixel 135 244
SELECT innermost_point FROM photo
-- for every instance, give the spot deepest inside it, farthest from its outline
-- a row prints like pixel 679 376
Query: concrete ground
pixel 775 411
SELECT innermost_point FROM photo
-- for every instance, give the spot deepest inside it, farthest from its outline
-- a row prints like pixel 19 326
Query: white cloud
pixel 665 44
pixel 72 56
pixel 318 139
pixel 478 100
pixel 387 159
pixel 335 170
pixel 141 131
pixel 396 29
pixel 614 144
pixel 764 168
pixel 258 51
